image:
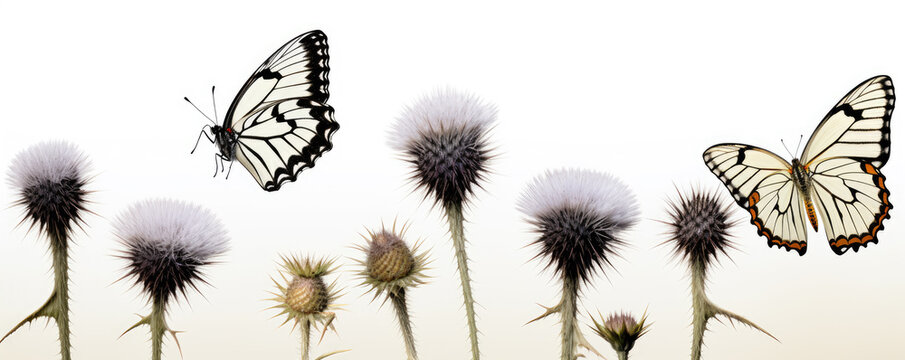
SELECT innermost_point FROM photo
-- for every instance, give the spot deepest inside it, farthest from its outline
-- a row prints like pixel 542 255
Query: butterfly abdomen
pixel 803 181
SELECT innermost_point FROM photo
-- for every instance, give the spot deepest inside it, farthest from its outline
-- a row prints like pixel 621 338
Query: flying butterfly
pixel 280 123
pixel 838 173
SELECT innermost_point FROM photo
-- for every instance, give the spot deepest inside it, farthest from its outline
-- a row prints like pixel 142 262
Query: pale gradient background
pixel 637 89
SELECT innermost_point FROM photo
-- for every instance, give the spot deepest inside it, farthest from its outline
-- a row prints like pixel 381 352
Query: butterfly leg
pixel 230 169
pixel 203 132
pixel 216 161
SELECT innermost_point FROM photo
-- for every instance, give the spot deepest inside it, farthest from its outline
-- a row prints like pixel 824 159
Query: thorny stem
pixel 568 312
pixel 306 337
pixel 704 310
pixel 455 218
pixel 405 324
pixel 57 305
pixel 157 321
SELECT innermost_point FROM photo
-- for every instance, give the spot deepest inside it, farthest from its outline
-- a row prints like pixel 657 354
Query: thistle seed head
pixel 621 330
pixel 307 295
pixel 444 138
pixel 580 216
pixel 699 224
pixel 389 264
pixel 51 179
pixel 167 243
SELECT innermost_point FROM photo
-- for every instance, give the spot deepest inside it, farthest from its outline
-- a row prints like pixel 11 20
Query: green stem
pixel 306 337
pixel 405 324
pixel 456 229
pixel 704 310
pixel 623 355
pixel 158 322
pixel 568 312
pixel 61 290
pixel 57 305
pixel 700 307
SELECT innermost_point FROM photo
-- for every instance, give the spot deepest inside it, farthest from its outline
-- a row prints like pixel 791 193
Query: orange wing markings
pixel 842 243
pixel 799 246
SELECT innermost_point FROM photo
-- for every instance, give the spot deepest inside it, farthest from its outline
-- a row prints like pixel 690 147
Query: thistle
pixel 699 226
pixel 166 245
pixel 305 299
pixel 579 216
pixel 444 138
pixel 621 330
pixel 51 181
pixel 391 267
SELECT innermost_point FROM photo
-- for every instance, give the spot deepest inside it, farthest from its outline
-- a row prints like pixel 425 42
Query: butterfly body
pixel 836 175
pixel 280 123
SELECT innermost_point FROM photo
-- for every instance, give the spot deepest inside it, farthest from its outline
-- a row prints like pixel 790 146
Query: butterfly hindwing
pixel 853 201
pixel 281 118
pixel 760 182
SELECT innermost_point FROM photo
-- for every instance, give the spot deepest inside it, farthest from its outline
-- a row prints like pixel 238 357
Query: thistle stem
pixel 57 305
pixel 457 232
pixel 402 315
pixel 623 355
pixel 704 310
pixel 306 337
pixel 568 312
pixel 157 321
pixel 61 290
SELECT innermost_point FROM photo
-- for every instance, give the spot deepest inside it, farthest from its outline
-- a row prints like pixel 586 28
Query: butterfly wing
pixel 844 157
pixel 761 183
pixel 281 118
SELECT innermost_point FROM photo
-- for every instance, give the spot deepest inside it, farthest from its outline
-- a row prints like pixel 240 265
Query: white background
pixel 638 89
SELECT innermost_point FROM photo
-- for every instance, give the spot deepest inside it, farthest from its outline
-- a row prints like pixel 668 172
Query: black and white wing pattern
pixel 762 183
pixel 280 117
pixel 844 157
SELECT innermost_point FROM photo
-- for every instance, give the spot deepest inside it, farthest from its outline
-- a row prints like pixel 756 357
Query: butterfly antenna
pixel 199 110
pixel 787 148
pixel 214 100
pixel 800 137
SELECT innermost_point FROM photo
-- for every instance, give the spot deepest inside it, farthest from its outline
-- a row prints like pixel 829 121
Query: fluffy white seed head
pixel 443 136
pixel 579 216
pixel 593 192
pixel 167 242
pixel 50 179
pixel 443 110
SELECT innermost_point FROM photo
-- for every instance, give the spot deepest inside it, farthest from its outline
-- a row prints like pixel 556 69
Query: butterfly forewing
pixel 281 118
pixel 761 182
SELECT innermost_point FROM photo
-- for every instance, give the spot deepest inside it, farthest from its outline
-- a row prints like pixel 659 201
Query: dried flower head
pixel 621 330
pixel 50 178
pixel 579 215
pixel 167 244
pixel 389 264
pixel 444 137
pixel 303 294
pixel 699 224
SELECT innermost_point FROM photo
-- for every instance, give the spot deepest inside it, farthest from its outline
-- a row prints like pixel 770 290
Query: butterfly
pixel 279 124
pixel 838 173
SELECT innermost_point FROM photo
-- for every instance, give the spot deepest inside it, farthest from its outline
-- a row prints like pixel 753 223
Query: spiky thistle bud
pixel 391 267
pixel 444 136
pixel 166 244
pixel 580 216
pixel 50 179
pixel 621 330
pixel 304 297
pixel 699 224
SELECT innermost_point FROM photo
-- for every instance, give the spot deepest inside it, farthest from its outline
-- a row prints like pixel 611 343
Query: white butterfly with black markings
pixel 839 171
pixel 280 124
